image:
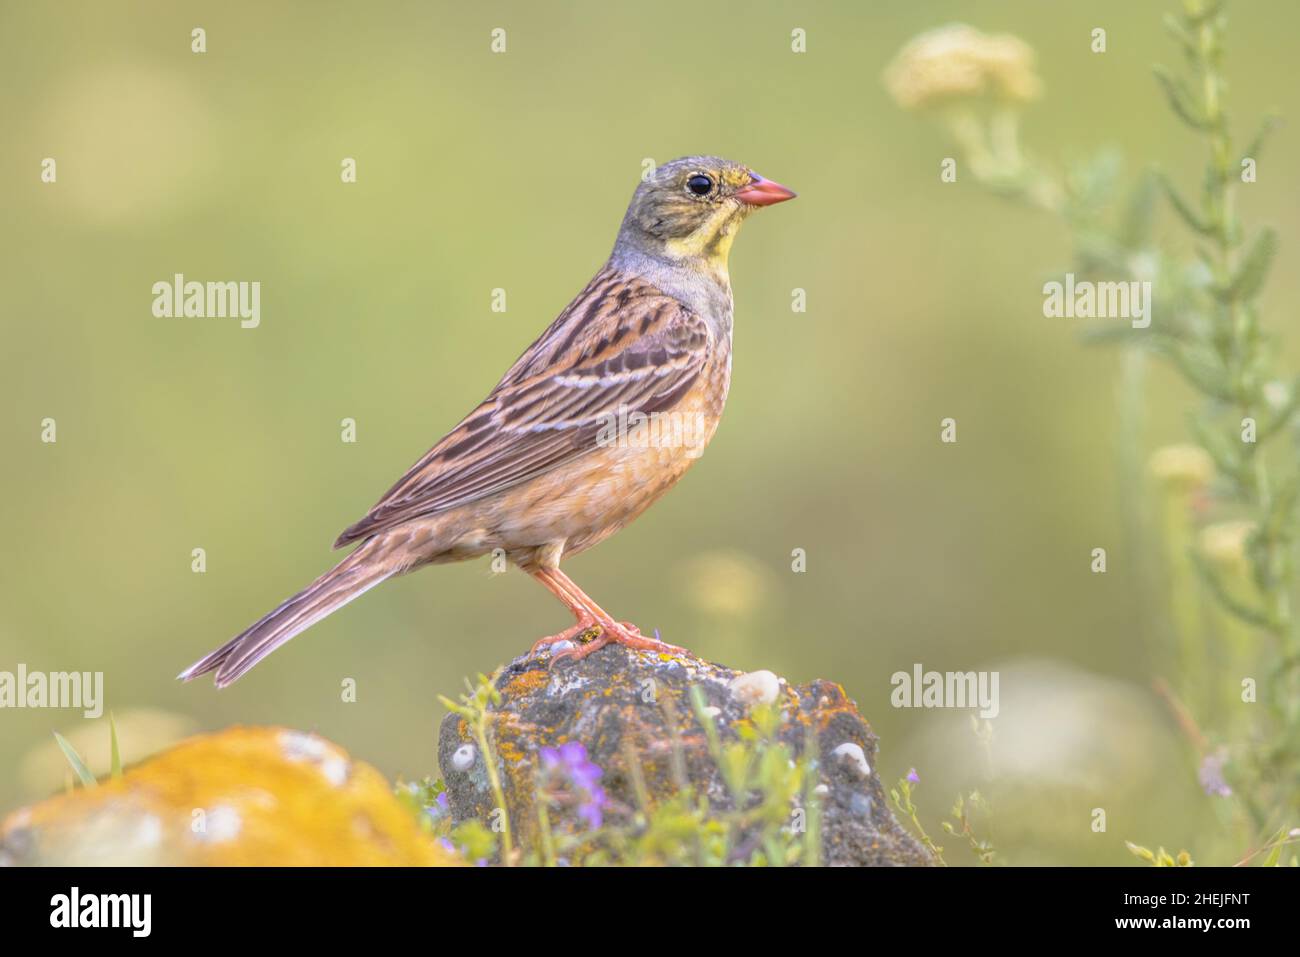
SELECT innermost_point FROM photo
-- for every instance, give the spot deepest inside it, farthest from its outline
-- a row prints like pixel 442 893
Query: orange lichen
pixel 510 751
pixel 826 715
pixel 526 683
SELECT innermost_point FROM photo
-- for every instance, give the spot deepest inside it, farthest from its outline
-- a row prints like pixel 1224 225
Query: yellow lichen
pixel 526 683
pixel 240 797
pixel 510 751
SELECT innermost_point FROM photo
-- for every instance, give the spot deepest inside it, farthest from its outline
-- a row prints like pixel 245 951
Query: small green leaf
pixel 1203 369
pixel 1137 850
pixel 74 759
pixel 1180 100
pixel 1175 29
pixel 1265 129
pixel 1283 415
pixel 1284 502
pixel 1247 613
pixel 1279 841
pixel 1252 272
pixel 1140 212
pixel 1183 208
pixel 454 707
pixel 1226 456
pixel 115 756
pixel 475 841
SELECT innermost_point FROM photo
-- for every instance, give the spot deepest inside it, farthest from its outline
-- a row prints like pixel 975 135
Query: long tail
pixel 358 573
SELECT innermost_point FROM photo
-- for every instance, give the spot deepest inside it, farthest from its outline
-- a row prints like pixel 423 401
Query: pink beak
pixel 764 192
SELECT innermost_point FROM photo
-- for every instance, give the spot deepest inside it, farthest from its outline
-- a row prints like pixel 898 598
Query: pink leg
pixel 586 621
pixel 589 615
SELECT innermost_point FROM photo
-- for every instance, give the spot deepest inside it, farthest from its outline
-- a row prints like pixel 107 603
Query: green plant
pixel 1159 857
pixel 1229 501
pixel 901 795
pixel 963 825
pixel 475 707
pixel 964 810
pixel 78 764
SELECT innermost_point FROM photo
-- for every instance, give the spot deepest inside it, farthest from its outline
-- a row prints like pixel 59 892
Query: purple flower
pixel 439 809
pixel 570 767
pixel 591 810
pixel 1211 774
pixel 913 776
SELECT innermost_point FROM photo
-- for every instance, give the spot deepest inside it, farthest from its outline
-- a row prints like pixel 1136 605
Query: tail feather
pixel 350 578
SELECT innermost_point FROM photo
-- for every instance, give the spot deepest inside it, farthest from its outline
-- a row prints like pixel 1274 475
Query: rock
pixel 623 705
pixel 243 796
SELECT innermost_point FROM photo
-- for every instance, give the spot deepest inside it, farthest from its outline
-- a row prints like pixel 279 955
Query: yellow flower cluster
pixel 1182 466
pixel 957 62
pixel 1225 543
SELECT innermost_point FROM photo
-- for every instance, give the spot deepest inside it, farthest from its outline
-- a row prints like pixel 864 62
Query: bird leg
pixel 590 615
pixel 586 621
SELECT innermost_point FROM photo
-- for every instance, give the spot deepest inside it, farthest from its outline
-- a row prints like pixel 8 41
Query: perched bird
pixel 594 422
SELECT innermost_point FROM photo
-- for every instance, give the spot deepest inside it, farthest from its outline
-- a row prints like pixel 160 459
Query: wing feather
pixel 620 346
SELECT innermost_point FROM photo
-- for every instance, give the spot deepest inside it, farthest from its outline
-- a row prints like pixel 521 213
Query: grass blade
pixel 115 758
pixel 74 759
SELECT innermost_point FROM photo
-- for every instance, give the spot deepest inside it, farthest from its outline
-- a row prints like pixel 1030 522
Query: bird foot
pixel 622 633
pixel 572 634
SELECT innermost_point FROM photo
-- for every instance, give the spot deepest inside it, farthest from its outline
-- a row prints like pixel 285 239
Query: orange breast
pixel 637 461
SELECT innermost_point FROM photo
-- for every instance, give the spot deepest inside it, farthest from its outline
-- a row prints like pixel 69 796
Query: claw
pixel 621 633
pixel 572 634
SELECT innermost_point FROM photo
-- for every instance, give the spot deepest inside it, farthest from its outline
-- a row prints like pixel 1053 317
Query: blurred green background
pixel 479 171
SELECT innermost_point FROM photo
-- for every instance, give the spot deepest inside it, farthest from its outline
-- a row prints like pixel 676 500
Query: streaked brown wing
pixel 620 346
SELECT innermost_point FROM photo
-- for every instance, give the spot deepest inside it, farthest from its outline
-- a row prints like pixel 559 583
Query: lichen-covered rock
pixel 243 796
pixel 625 706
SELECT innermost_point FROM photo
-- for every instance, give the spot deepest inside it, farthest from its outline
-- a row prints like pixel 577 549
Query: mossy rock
pixel 626 705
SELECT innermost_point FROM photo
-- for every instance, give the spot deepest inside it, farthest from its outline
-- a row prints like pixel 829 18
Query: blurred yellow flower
pixel 727 584
pixel 1182 466
pixel 957 62
pixel 1224 543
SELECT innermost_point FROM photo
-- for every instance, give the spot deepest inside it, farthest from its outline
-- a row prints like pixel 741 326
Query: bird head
pixel 690 209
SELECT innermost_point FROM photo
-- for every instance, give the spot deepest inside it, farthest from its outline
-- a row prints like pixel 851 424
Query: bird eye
pixel 700 185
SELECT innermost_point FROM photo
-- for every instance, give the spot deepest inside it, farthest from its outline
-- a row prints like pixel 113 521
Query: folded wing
pixel 620 347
